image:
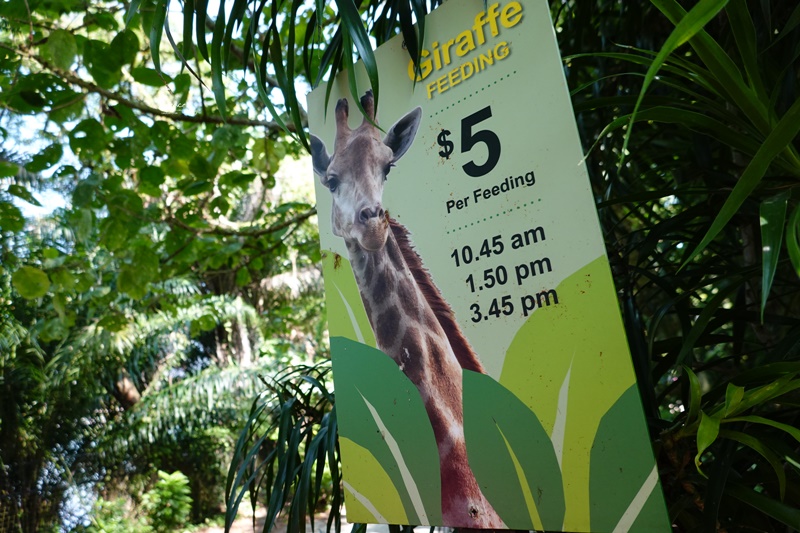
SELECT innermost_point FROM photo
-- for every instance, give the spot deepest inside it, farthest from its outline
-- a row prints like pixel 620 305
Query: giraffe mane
pixel 462 349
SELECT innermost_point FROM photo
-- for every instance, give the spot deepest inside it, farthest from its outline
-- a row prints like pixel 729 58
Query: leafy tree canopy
pixel 164 126
pixel 137 318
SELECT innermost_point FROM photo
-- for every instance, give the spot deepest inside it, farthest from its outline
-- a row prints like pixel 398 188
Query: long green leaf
pixel 680 68
pixel 765 393
pixel 419 13
pixel 333 465
pixel 188 21
pixel 354 27
pixel 693 22
pixel 773 218
pixel 132 9
pixel 261 87
pixel 793 239
pixel 764 451
pixel 156 31
pixel 707 433
pixel 791 430
pixel 201 14
pixel 693 120
pixel 733 397
pixel 705 317
pixel 791 24
pixel 309 48
pixel 786 514
pixel 217 85
pixel 722 68
pixel 781 137
pixel 235 19
pixel 352 80
pixel 286 85
pixel 694 395
pixel 745 34
pixel 292 103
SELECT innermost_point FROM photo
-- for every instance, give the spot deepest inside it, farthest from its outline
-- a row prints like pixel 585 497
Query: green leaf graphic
pixel 369 484
pixel 502 433
pixel 365 373
pixel 621 469
pixel 346 315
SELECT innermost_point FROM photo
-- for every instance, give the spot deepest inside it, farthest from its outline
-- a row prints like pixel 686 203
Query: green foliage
pixel 501 430
pixel 168 504
pixel 287 454
pixel 137 316
pixel 112 516
pixel 30 282
pixel 699 208
pixel 695 218
pixel 136 319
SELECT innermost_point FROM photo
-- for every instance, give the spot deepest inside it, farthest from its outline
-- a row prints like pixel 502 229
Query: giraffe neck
pixel 407 330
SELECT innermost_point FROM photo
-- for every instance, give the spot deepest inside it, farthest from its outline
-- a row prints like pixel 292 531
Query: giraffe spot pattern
pixel 411 350
pixel 396 257
pixel 408 298
pixel 366 270
pixel 384 285
pixel 388 326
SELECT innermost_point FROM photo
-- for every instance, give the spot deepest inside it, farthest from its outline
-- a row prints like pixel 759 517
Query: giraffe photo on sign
pixel 411 321
pixel 481 370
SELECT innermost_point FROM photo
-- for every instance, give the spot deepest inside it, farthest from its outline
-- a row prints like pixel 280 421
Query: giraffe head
pixel 356 171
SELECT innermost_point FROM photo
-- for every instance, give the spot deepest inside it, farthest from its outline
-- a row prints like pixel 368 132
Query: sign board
pixel 481 369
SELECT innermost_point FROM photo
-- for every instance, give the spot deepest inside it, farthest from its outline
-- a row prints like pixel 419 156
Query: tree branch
pixel 144 108
pixel 244 232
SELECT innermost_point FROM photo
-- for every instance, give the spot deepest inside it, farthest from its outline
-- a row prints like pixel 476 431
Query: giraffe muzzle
pixel 369 213
pixel 372 228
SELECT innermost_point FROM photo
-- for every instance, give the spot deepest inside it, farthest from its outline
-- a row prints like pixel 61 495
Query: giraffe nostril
pixel 368 213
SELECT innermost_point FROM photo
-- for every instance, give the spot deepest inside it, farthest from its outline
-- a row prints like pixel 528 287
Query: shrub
pixel 168 504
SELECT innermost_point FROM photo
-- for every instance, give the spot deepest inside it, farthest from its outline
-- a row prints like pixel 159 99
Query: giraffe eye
pixel 332 184
pixel 386 170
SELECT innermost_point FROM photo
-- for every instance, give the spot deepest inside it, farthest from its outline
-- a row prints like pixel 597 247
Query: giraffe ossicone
pixel 412 322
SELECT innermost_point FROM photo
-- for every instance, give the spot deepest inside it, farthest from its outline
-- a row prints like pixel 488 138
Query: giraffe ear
pixel 402 133
pixel 319 156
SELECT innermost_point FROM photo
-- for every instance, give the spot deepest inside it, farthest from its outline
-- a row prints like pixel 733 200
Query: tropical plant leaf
pixel 793 239
pixel 217 84
pixel 791 430
pixel 354 28
pixel 705 318
pixel 744 32
pixel 694 395
pixel 733 397
pixel 778 140
pixel 773 219
pixel 707 433
pixel 157 30
pixel 722 68
pixel 21 192
pixel 786 514
pixel 771 457
pixel 31 282
pixel 688 27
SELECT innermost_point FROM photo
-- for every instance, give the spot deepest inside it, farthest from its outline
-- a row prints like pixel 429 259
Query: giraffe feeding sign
pixel 482 374
pixel 486 26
